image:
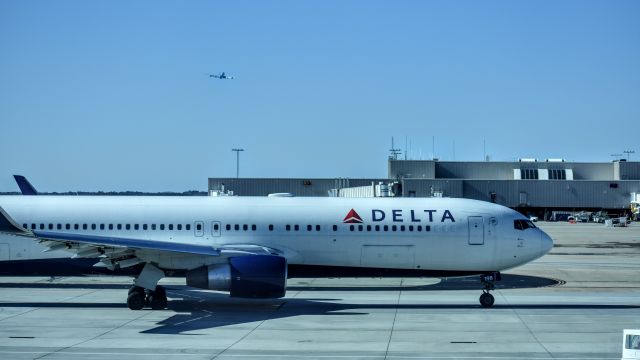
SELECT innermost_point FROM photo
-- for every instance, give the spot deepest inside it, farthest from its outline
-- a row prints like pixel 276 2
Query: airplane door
pixel 215 228
pixel 198 228
pixel 476 230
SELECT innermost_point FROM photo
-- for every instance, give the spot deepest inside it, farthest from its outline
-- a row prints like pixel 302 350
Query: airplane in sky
pixel 249 246
pixel 221 76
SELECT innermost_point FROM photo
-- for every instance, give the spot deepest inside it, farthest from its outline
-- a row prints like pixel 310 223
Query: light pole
pixel 629 152
pixel 237 161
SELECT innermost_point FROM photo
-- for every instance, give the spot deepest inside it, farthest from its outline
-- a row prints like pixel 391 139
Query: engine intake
pixel 252 276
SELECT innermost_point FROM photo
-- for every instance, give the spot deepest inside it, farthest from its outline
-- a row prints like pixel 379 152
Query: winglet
pixel 25 185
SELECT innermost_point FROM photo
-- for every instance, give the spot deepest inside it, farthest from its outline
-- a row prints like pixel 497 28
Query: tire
pixel 487 300
pixel 136 300
pixel 135 288
pixel 158 302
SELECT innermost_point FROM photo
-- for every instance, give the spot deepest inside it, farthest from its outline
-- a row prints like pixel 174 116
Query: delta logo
pixel 352 218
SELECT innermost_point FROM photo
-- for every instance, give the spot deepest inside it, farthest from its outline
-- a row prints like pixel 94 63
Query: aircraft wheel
pixel 137 298
pixel 486 300
pixel 135 288
pixel 158 299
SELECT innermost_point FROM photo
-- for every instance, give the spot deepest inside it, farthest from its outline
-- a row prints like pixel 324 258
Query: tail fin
pixel 25 185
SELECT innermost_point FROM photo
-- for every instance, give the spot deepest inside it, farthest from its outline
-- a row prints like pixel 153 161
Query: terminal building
pixel 532 186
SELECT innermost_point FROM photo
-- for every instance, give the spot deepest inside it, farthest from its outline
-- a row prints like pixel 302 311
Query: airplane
pixel 221 76
pixel 249 246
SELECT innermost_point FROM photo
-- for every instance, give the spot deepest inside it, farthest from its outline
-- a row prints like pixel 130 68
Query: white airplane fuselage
pixel 443 235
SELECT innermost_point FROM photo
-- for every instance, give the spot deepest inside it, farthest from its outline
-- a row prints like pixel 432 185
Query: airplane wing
pixel 123 248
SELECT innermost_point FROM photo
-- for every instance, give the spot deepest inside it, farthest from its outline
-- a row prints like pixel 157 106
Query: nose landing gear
pixel 488 281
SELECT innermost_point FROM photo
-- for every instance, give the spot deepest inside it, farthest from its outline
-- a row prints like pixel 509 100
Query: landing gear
pixel 146 291
pixel 139 297
pixel 488 281
pixel 158 298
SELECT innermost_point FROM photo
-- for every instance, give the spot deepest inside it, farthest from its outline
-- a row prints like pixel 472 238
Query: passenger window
pixel 127 227
pixel 144 227
pixel 236 227
pixel 93 226
pixel 25 226
pixel 296 227
pixel 101 226
pixel 377 227
pixel 270 227
pixel 351 227
pixel 179 227
pixel 360 227
pixel 288 227
pixel 41 226
pixel 402 228
pixel 335 227
pixel 394 228
pixel 228 227
pixel 317 227
pixel 216 227
pixel 254 227
pixel 59 226
pixel 50 226
pixel 153 226
pixel 188 227
pixel 170 226
pixel 309 228
pixel 84 227
pixel 386 228
pixel 119 226
pixel 427 228
pixel 245 227
pixel 161 226
pixel 410 227
pixel 419 228
pixel 110 226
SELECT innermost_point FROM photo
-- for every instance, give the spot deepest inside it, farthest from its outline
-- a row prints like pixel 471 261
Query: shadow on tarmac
pixel 199 310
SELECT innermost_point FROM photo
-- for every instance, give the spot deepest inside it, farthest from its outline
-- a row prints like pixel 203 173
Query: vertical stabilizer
pixel 25 186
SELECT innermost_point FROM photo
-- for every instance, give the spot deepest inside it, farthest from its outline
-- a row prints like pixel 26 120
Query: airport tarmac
pixel 571 304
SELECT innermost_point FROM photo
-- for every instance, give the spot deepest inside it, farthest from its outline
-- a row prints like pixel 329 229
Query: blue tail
pixel 25 185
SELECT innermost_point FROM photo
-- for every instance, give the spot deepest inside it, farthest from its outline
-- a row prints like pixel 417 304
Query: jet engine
pixel 251 276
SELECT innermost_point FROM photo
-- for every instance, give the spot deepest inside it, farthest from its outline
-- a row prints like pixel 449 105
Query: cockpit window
pixel 523 224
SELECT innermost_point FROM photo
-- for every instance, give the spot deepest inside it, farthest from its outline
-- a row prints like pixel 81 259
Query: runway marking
pixel 395 316
pixel 308 356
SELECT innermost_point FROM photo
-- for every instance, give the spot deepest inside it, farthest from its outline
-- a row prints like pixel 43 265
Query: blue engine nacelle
pixel 251 276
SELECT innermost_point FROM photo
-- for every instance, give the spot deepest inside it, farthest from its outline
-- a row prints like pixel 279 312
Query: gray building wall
pixel 595 185
pixel 298 187
pixel 493 170
pixel 413 169
pixel 535 193
pixel 628 170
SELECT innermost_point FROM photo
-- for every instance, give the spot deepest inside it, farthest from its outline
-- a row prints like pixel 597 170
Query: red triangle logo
pixel 352 218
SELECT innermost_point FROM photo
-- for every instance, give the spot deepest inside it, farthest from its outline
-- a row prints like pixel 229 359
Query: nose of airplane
pixel 546 242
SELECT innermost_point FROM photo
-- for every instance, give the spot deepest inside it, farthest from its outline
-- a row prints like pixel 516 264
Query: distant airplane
pixel 249 246
pixel 221 76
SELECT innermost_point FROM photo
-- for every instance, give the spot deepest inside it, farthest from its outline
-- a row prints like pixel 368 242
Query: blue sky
pixel 113 95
